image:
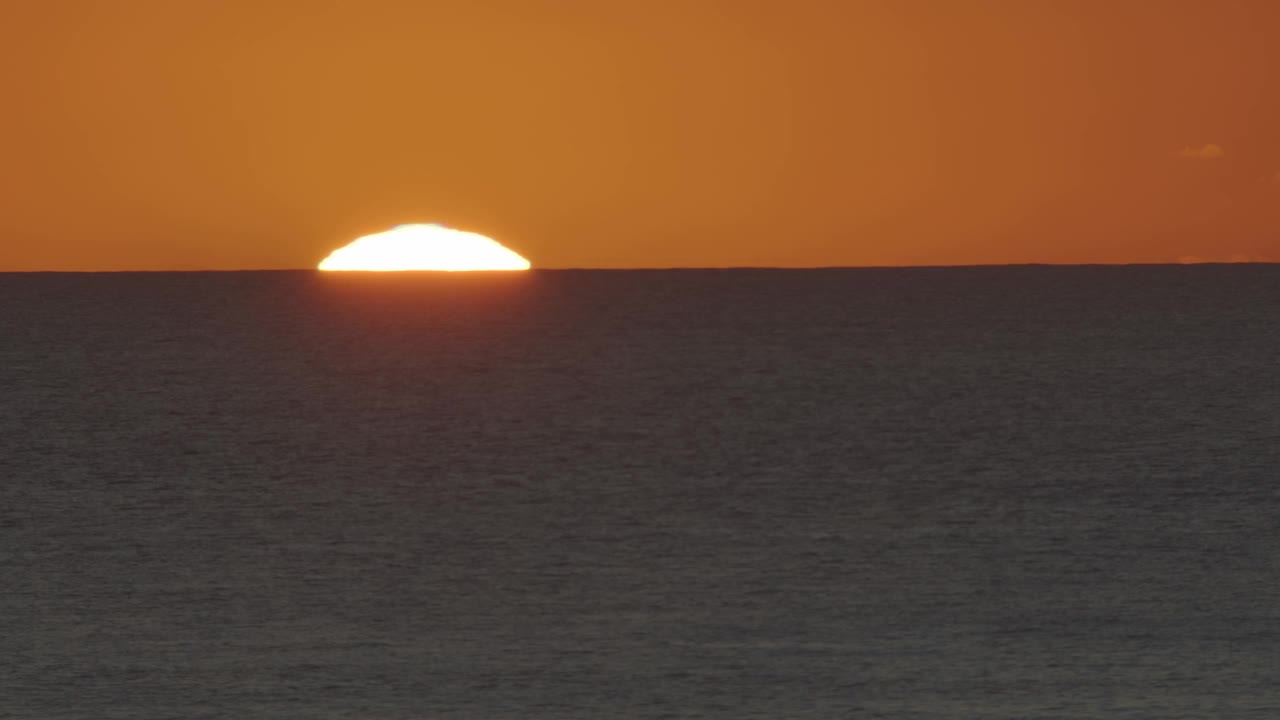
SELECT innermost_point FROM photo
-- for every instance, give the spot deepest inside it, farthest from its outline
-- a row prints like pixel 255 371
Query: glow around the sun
pixel 424 247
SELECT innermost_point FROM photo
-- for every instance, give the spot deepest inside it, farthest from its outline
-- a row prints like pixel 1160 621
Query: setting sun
pixel 424 247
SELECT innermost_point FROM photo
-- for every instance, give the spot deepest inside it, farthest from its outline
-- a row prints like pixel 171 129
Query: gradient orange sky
pixel 242 134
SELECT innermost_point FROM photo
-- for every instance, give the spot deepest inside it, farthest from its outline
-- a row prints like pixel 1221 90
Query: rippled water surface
pixel 934 493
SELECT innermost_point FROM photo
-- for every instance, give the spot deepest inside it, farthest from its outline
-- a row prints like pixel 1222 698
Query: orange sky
pixel 239 134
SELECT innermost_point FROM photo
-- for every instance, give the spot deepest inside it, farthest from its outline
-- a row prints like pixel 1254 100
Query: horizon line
pixel 654 268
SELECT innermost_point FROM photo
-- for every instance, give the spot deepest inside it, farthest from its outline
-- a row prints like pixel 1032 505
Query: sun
pixel 424 247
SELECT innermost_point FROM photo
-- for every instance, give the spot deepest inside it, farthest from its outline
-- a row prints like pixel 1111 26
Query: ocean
pixel 932 493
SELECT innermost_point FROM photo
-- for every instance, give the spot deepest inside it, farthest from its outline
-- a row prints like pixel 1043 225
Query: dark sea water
pixel 942 494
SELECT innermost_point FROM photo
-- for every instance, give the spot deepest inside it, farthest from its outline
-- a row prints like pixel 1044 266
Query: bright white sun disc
pixel 424 247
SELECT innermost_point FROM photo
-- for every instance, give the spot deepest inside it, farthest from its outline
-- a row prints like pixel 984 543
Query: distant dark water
pixel 932 493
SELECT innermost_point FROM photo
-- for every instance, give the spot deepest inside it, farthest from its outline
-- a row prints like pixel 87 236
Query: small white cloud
pixel 1208 152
